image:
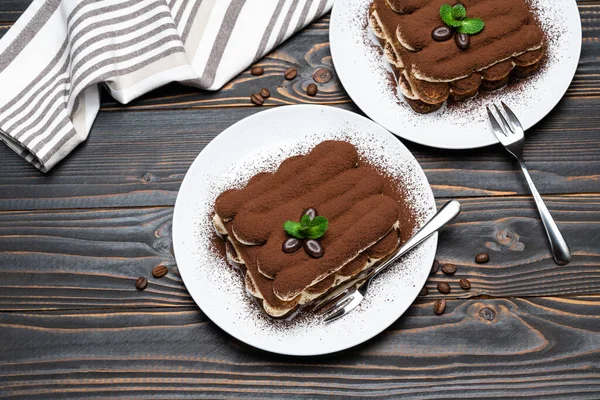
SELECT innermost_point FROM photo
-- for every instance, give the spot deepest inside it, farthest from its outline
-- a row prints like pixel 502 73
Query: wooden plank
pixel 308 51
pixel 140 159
pixel 470 352
pixel 11 10
pixel 75 259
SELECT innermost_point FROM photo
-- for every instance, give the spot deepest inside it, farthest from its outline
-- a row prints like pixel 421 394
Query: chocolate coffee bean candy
pixel 424 291
pixel 291 245
pixel 443 288
pixel 160 271
pixel 442 33
pixel 462 40
pixel 439 306
pixel 311 212
pixel 290 73
pixel 257 71
pixel 465 284
pixel 482 258
pixel 435 267
pixel 264 92
pixel 322 75
pixel 141 283
pixel 257 99
pixel 313 248
pixel 312 90
pixel 449 269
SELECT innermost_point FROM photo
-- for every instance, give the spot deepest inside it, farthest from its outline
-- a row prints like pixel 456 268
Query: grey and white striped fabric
pixel 56 55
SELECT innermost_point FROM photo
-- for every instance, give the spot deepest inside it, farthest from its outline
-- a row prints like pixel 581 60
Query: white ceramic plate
pixel 364 73
pixel 261 142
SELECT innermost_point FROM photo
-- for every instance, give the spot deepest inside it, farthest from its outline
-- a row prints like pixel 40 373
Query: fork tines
pixel 506 124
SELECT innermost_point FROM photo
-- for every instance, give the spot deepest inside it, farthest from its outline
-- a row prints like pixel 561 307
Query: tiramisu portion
pixel 435 59
pixel 317 221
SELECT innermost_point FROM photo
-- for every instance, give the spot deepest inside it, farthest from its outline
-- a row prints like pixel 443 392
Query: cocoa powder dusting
pixel 360 202
pixel 510 28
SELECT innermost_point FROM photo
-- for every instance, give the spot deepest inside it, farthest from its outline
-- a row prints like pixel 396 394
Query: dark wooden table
pixel 73 241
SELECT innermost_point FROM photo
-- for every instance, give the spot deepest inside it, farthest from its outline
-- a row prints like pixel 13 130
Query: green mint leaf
pixel 446 14
pixel 471 26
pixel 459 12
pixel 305 221
pixel 317 228
pixel 294 229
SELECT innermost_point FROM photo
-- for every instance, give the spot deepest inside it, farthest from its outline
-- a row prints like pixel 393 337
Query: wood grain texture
pixel 310 50
pixel 470 352
pixel 140 159
pixel 11 10
pixel 72 243
pixel 74 259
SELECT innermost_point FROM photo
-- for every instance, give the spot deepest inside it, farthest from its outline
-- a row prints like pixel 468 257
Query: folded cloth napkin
pixel 56 55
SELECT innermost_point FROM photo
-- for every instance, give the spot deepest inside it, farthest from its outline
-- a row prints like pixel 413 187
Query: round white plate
pixel 364 72
pixel 261 142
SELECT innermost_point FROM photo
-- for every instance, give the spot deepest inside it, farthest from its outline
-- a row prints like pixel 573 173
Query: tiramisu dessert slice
pixel 317 221
pixel 440 51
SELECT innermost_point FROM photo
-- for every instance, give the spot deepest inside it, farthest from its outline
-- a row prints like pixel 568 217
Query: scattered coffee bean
pixel 435 267
pixel 257 99
pixel 160 271
pixel 311 212
pixel 465 284
pixel 290 73
pixel 141 283
pixel 322 75
pixel 313 248
pixel 439 306
pixel 424 291
pixel 482 258
pixel 257 71
pixel 449 269
pixel 264 92
pixel 442 33
pixel 462 40
pixel 291 245
pixel 312 90
pixel 443 288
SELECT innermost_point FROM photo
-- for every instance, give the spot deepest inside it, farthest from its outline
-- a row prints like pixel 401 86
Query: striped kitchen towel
pixel 56 55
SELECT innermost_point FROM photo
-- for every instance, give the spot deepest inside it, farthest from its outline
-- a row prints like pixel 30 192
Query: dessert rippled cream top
pixel 362 209
pixel 510 30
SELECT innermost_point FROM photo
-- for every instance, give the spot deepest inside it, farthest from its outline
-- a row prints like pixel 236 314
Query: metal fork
pixel 510 133
pixel 349 295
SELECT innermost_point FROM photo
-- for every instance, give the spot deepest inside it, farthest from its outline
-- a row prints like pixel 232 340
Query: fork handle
pixel 558 245
pixel 446 214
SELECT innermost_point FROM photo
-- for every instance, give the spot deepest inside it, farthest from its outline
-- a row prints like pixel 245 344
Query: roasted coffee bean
pixel 322 75
pixel 257 99
pixel 462 40
pixel 424 291
pixel 442 33
pixel 465 284
pixel 439 306
pixel 443 288
pixel 257 71
pixel 449 269
pixel 291 245
pixel 311 212
pixel 141 283
pixel 264 92
pixel 290 73
pixel 312 90
pixel 435 267
pixel 482 258
pixel 160 271
pixel 313 248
